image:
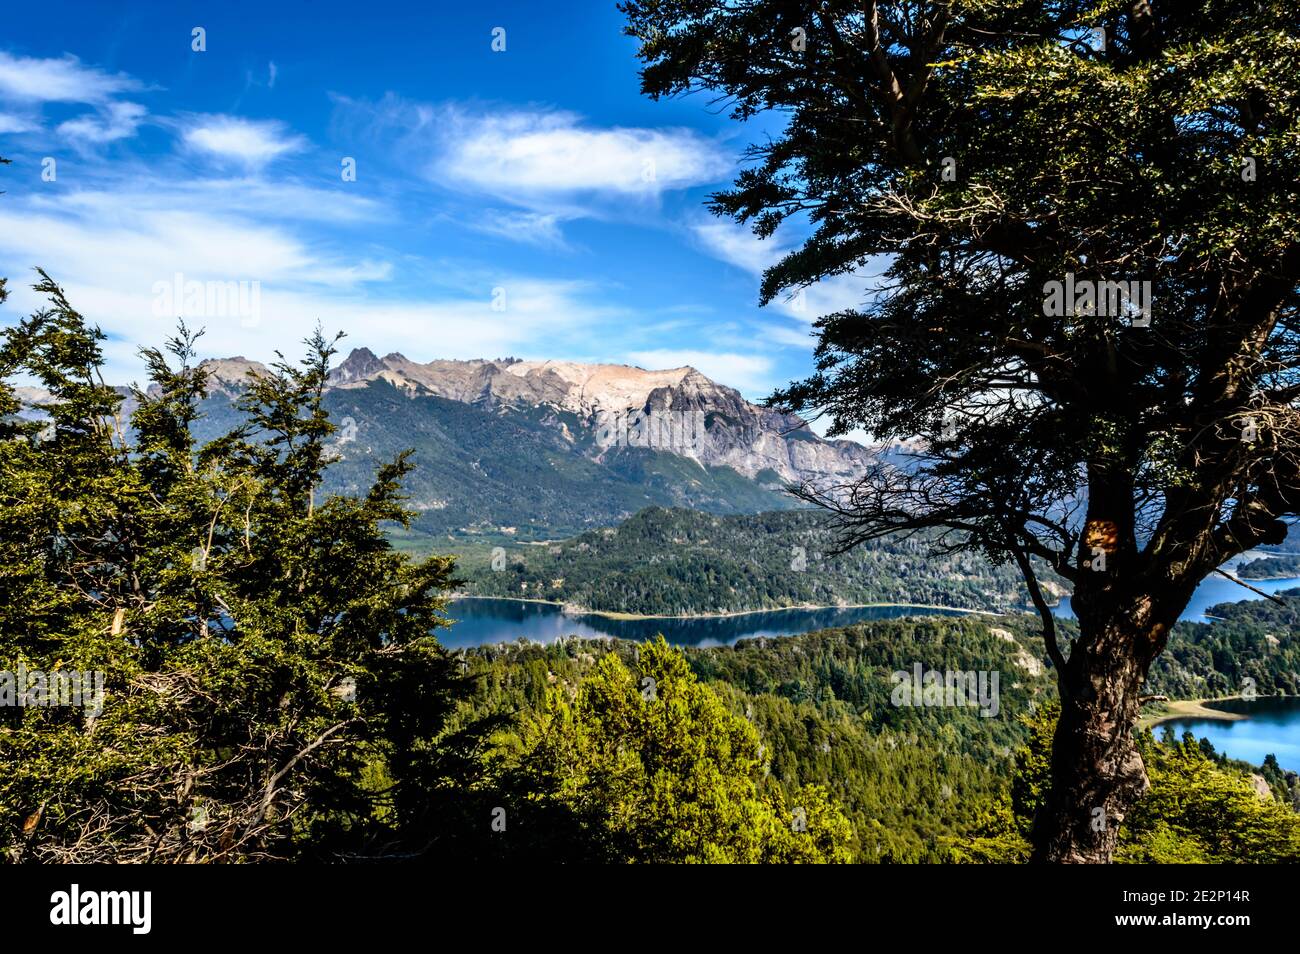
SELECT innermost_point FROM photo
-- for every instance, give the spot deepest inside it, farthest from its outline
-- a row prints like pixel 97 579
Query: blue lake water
pixel 1272 726
pixel 1214 589
pixel 482 621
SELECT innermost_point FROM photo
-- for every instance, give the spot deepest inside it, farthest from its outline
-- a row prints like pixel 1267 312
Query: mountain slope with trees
pixel 680 562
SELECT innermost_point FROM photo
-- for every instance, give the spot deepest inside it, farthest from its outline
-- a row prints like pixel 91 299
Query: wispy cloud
pixel 10 123
pixel 27 83
pixel 738 246
pixel 244 141
pixel 60 80
pixel 113 121
pixel 525 154
pixel 551 165
pixel 115 248
pixel 531 228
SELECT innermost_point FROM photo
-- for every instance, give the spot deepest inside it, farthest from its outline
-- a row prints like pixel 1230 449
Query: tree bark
pixel 1097 773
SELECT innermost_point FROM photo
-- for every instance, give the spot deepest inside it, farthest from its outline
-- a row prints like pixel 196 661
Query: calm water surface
pixel 480 621
pixel 1272 726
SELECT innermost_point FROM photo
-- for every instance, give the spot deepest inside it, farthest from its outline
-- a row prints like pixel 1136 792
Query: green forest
pixel 917 785
pixel 677 562
pixel 1271 567
pixel 276 691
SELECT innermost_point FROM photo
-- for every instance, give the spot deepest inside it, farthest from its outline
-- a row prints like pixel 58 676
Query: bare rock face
pixel 1260 784
pixel 230 375
pixel 677 410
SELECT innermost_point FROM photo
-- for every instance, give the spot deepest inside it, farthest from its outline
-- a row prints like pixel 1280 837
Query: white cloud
pixel 796 337
pixel 114 121
pixel 746 372
pixel 250 142
pixel 64 80
pixel 555 166
pixel 114 250
pixel 524 154
pixel 248 197
pixel 31 81
pixel 738 246
pixel 9 123
pixel 530 228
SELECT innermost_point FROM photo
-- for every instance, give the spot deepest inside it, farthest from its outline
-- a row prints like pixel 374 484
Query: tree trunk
pixel 1097 773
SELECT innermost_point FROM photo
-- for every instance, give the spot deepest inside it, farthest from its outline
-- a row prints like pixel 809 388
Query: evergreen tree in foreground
pixel 271 686
pixel 1086 209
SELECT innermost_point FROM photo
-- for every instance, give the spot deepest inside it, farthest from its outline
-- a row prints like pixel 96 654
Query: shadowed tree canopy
pixel 270 687
pixel 1086 213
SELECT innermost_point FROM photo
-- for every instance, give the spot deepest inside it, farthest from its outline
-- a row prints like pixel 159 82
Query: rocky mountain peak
pixel 706 421
pixel 359 365
pixel 229 375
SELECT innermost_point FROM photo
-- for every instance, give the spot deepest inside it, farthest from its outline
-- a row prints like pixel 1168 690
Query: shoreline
pixel 1191 709
pixel 582 611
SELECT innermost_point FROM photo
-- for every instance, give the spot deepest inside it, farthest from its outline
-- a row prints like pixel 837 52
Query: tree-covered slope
pixel 1270 568
pixel 917 784
pixel 506 472
pixel 680 562
pixel 1256 639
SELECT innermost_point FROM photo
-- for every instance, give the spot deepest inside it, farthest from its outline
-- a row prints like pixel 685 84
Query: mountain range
pixel 530 450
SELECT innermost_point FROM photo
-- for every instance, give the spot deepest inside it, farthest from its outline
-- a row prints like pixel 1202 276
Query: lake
pixel 1213 589
pixel 1273 727
pixel 481 621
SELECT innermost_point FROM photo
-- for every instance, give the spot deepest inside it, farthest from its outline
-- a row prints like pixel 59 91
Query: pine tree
pixel 272 684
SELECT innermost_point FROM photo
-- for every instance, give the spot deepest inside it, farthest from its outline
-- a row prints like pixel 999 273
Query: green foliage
pixel 658 766
pixel 1268 568
pixel 257 638
pixel 683 562
pixel 1198 810
pixel 1255 639
pixel 914 784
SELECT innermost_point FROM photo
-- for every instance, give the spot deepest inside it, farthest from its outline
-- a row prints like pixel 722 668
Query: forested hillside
pixel 1270 567
pixel 681 562
pixel 503 473
pixel 1254 638
pixel 937 783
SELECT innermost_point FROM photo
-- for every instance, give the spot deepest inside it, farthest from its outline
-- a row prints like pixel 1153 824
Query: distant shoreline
pixel 1192 709
pixel 583 611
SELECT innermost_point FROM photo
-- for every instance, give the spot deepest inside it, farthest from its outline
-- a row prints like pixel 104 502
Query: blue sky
pixel 528 202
